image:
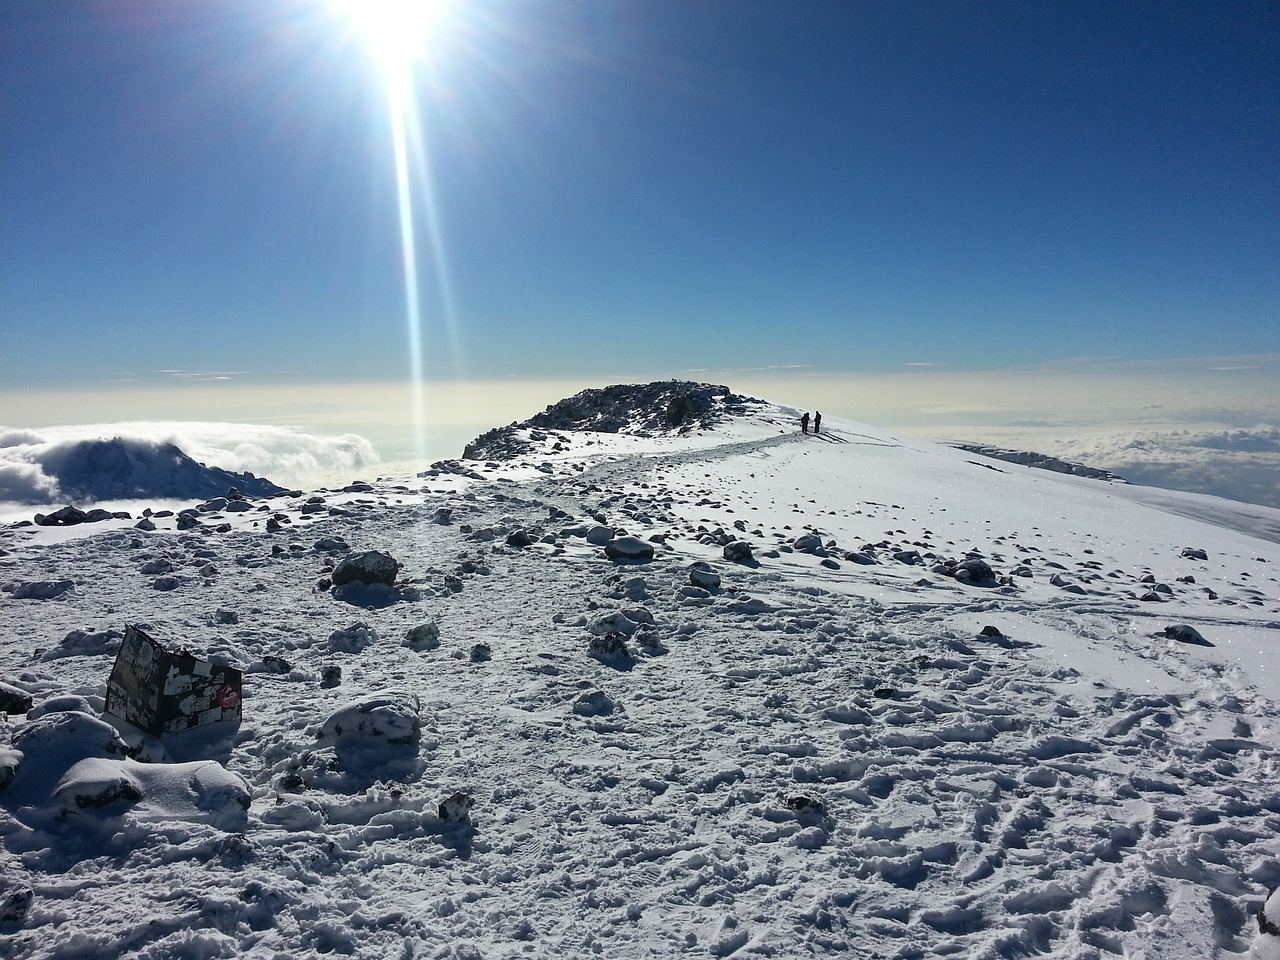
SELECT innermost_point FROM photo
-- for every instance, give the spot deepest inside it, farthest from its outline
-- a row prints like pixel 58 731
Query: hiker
pixel 804 422
pixel 817 421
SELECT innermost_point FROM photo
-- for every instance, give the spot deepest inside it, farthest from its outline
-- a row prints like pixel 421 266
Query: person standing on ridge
pixel 804 422
pixel 817 421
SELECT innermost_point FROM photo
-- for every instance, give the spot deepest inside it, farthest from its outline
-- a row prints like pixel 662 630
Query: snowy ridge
pixel 838 745
pixel 668 407
pixel 1041 460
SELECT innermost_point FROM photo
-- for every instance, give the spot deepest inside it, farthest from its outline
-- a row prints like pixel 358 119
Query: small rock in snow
pixel 628 548
pixel 1184 633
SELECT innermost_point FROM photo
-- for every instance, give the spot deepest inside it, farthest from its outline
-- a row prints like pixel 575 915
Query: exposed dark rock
pixel 663 407
pixel 628 548
pixel 40 589
pixel 1040 461
pixel 519 538
pixel 456 808
pixel 372 566
pixel 66 517
pixel 738 551
pixel 13 700
pixel 1184 633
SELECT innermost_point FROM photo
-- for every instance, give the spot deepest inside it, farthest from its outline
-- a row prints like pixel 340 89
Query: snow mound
pixel 200 791
pixel 119 469
pixel 649 409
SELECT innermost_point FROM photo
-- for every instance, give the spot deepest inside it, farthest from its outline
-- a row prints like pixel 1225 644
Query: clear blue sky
pixel 208 186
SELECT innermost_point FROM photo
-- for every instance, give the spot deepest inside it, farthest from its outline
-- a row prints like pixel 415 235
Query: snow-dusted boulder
pixel 628 548
pixel 62 738
pixel 702 575
pixel 375 723
pixel 372 566
pixel 613 622
pixel 738 551
pixel 974 571
pixel 202 791
pixel 352 639
pixel 1185 633
pixel 593 703
pixel 13 700
pixel 44 748
pixel 67 703
pixel 1266 945
pixel 40 589
pixel 807 543
pixel 425 636
pixel 15 900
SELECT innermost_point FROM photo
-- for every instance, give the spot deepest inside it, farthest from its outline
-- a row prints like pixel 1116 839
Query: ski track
pixel 961 795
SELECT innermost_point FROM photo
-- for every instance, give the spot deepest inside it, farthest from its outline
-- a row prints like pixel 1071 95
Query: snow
pixel 804 755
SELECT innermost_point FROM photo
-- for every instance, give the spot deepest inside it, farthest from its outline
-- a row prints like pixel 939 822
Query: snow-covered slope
pixel 945 707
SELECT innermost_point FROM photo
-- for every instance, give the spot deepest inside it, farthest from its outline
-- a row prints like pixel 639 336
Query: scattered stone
pixel 15 901
pixel 1185 633
pixel 599 535
pixel 990 631
pixel 884 693
pixel 480 653
pixel 271 664
pixel 144 524
pixel 800 802
pixel 738 551
pixel 66 517
pixel 860 557
pixel 628 548
pixel 167 583
pixel 456 809
pixel 425 636
pixel 352 639
pixel 519 538
pixel 910 557
pixel 442 515
pixel 225 617
pixel 13 700
pixel 331 545
pixel 593 703
pixel 974 571
pixel 67 703
pixel 830 564
pixel 1195 553
pixel 807 543
pixel 381 719
pixel 614 622
pixel 608 645
pixel 373 566
pixel 40 589
pixel 330 675
pixel 702 575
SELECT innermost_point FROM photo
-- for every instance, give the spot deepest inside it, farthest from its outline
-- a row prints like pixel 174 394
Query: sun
pixel 396 33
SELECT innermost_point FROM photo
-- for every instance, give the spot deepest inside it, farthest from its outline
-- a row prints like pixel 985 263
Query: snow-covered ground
pixel 840 748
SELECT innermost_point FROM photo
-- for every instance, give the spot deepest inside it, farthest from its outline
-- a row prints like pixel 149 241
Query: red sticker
pixel 228 697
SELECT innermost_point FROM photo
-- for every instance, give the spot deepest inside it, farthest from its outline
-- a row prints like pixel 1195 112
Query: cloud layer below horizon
pixel 1207 425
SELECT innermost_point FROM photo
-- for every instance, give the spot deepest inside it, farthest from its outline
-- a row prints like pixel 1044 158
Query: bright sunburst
pixel 395 32
pixel 397 35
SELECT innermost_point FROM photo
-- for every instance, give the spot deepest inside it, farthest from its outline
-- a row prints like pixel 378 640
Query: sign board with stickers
pixel 161 691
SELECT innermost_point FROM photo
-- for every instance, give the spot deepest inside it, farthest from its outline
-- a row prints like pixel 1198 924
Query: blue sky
pixel 635 187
